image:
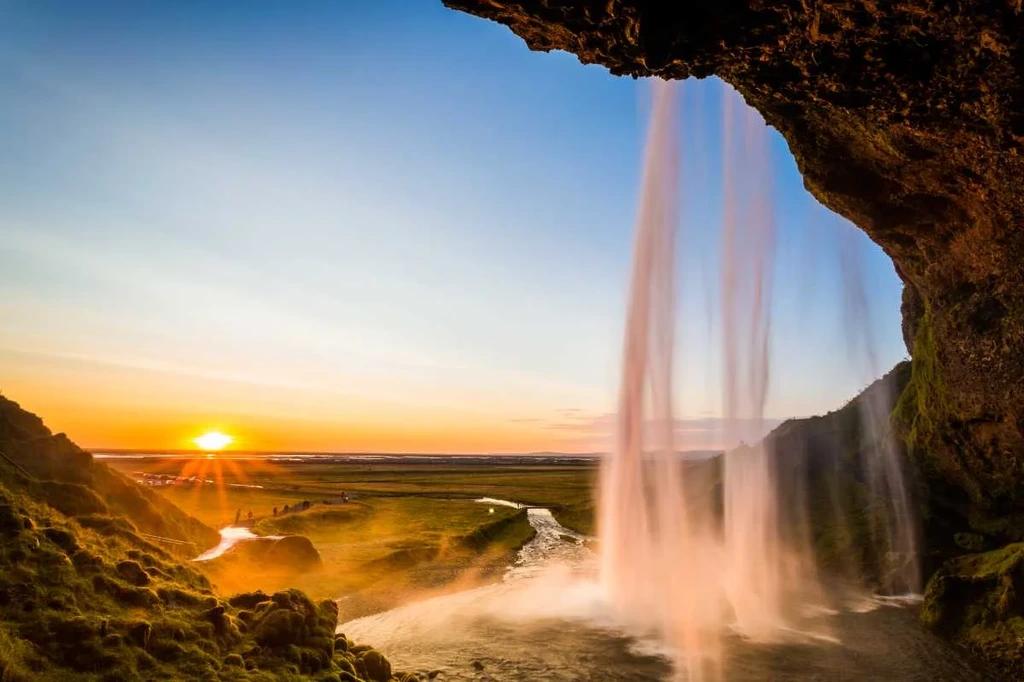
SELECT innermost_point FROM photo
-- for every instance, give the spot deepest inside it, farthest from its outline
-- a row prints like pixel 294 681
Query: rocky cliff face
pixel 906 117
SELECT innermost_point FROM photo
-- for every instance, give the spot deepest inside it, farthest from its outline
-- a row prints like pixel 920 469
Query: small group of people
pixel 297 507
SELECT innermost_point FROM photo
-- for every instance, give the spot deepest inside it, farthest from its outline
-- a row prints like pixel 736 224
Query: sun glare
pixel 213 440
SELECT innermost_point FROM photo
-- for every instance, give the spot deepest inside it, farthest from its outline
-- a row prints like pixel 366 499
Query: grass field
pixel 407 530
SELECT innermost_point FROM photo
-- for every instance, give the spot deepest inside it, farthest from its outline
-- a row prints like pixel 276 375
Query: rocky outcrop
pixel 977 600
pixel 906 117
pixel 288 554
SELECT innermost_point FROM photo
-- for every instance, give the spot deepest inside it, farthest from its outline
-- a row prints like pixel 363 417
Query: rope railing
pixel 170 541
pixel 17 466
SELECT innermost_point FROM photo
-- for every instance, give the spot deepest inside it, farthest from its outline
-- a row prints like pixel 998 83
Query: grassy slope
pixel 380 551
pixel 77 479
pixel 84 596
pixel 400 535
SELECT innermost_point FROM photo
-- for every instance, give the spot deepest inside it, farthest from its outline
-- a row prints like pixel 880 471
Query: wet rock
pixel 377 667
pixel 977 600
pixel 972 542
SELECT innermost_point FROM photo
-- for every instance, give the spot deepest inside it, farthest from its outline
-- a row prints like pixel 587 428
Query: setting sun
pixel 213 440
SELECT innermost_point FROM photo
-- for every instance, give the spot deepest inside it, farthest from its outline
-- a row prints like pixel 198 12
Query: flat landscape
pixel 407 530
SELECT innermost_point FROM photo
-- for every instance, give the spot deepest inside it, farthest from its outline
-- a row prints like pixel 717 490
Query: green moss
pixel 922 407
pixel 88 598
pixel 976 601
pixel 509 533
pixel 580 517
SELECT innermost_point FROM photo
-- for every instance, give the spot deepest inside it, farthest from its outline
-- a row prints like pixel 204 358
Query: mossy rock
pixel 62 538
pixel 377 667
pixel 249 600
pixel 133 573
pixel 978 601
pixel 345 664
pixel 280 628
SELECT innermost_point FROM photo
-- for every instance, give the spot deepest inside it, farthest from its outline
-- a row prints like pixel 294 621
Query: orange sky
pixel 101 406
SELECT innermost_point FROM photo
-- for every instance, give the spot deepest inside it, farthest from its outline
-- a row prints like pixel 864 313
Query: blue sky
pixel 360 226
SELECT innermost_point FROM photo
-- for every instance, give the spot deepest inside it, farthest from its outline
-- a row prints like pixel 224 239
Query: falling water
pixel 689 566
pixel 655 555
pixel 893 523
pixel 752 541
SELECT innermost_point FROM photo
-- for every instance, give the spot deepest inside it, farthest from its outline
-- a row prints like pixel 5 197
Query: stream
pixel 229 537
pixel 547 620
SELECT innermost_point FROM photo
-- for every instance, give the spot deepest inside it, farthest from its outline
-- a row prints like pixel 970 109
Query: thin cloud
pixel 697 433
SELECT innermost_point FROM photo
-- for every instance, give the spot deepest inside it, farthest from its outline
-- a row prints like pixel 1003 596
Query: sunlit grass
pixel 401 535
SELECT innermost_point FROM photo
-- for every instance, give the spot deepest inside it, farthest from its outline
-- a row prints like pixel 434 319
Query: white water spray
pixel 675 559
pixel 894 523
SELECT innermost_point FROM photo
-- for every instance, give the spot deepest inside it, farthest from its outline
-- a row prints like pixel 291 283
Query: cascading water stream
pixel 694 569
pixel 653 552
pixel 894 527
pixel 706 567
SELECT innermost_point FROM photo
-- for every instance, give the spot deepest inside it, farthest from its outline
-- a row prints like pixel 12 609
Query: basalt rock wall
pixel 908 119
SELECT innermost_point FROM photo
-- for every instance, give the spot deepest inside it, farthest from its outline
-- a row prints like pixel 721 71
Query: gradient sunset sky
pixel 380 226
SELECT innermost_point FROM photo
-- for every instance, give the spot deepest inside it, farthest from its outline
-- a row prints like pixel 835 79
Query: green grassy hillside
pixel 70 480
pixel 85 596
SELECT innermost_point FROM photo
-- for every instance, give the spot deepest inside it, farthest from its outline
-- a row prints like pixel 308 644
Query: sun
pixel 213 440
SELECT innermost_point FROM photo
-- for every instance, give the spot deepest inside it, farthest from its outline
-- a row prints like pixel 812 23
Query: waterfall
pixel 677 560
